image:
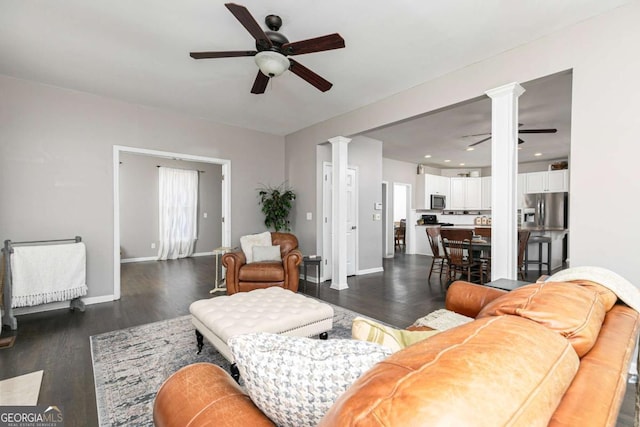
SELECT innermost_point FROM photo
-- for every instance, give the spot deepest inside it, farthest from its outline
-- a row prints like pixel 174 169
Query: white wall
pixel 605 109
pixel 366 154
pixel 56 165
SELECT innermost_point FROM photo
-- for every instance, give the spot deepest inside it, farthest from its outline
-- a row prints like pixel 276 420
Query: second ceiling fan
pixel 273 49
pixel 520 141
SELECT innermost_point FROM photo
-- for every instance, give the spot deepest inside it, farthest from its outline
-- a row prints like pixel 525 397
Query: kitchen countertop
pixel 525 227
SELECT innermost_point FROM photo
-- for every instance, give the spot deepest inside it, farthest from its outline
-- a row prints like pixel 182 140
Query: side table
pixel 315 261
pixel 506 284
pixel 219 284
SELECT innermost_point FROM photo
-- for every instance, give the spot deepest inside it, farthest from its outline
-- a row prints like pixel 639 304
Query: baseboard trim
pixel 370 271
pixel 203 254
pixel 60 305
pixel 153 258
pixel 141 259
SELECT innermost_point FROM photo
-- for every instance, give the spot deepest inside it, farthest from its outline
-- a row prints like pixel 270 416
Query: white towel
pixel 47 273
pixel 607 278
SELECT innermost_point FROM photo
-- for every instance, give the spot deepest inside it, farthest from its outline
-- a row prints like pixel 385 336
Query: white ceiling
pixel 546 103
pixel 138 51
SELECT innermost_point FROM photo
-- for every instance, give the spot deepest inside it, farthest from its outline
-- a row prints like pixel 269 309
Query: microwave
pixel 438 202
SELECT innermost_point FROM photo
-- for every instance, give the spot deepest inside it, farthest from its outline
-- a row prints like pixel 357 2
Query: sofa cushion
pixel 248 242
pixel 266 253
pixel 295 380
pixel 394 339
pixel 262 272
pixel 606 295
pixel 496 371
pixel 573 311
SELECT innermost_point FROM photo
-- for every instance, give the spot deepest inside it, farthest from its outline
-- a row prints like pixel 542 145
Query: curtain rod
pixel 199 171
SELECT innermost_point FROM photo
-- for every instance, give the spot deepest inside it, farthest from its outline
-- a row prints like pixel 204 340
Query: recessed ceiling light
pixel 427 156
pixel 447 161
pixel 538 154
pixel 470 148
pixel 461 164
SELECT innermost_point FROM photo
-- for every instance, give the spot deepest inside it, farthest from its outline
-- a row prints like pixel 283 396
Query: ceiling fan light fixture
pixel 271 64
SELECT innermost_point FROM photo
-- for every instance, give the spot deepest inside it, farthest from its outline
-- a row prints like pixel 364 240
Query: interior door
pixel 327 221
pixel 352 221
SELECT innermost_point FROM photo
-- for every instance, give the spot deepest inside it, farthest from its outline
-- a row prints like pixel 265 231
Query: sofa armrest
pixel 203 394
pixel 232 261
pixel 468 298
pixel 291 261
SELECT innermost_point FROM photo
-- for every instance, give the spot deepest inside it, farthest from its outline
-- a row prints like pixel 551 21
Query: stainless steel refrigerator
pixel 548 210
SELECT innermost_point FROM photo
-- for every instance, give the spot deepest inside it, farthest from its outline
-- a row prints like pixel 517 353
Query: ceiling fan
pixel 273 49
pixel 520 141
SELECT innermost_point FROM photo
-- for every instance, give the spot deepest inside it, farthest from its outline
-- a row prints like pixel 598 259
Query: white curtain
pixel 178 212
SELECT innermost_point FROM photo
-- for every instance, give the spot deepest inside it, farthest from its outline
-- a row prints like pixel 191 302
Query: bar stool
pixel 540 240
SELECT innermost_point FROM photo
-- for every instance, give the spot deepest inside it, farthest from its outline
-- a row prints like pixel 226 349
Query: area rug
pixel 130 365
pixel 22 390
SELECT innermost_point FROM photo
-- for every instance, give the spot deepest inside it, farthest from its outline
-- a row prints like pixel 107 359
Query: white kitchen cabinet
pixel 486 192
pixel 558 181
pixel 547 182
pixel 428 184
pixel 466 193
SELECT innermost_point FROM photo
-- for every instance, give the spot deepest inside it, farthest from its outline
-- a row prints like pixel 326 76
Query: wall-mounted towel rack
pixel 47 276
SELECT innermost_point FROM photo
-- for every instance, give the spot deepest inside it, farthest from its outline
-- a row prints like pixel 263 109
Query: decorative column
pixel 339 160
pixel 504 180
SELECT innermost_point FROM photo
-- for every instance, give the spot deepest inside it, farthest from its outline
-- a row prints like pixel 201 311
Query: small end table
pixel 219 285
pixel 506 284
pixel 315 261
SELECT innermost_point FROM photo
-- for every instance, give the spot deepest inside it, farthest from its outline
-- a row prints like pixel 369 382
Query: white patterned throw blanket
pixel 48 273
pixel 620 286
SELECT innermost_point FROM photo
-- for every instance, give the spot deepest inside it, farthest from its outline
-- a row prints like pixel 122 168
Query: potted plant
pixel 276 204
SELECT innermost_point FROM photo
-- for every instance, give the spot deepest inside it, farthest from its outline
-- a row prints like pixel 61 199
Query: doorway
pixel 387 223
pixel 225 205
pixel 401 209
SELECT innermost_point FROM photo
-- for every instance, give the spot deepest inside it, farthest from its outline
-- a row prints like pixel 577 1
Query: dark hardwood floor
pixel 58 341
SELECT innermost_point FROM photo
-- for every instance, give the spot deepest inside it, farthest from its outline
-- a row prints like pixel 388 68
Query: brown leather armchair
pixel 243 277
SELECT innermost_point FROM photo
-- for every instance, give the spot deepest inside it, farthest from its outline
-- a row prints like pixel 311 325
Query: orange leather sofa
pixel 552 355
pixel 243 277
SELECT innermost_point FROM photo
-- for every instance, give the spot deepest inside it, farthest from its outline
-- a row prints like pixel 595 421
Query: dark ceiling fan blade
pixel 476 134
pixel 308 75
pixel 228 54
pixel 317 44
pixel 520 141
pixel 260 83
pixel 243 15
pixel 538 131
pixel 480 142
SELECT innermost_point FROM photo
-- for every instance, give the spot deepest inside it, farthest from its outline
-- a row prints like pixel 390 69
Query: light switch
pixel 153 246
pixel 309 216
pixel 377 217
pixel 204 214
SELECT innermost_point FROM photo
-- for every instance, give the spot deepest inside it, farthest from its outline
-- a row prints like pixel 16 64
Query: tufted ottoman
pixel 274 309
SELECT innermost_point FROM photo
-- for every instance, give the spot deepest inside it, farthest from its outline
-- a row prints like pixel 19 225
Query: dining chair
pixel 439 259
pixel 458 249
pixel 523 241
pixel 482 231
pixel 485 255
pixel 400 235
